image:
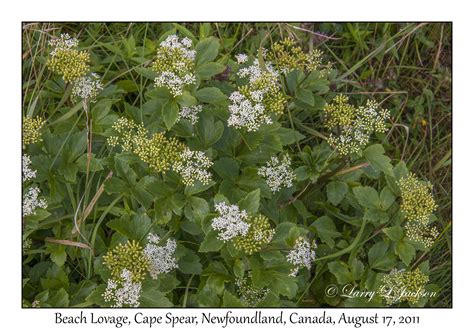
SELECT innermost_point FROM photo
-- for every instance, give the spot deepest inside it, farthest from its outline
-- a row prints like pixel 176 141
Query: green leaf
pixel 57 253
pixel 209 132
pixel 405 251
pixel 170 114
pixel 206 71
pixel 212 95
pixel 376 216
pixel 289 136
pixel 305 96
pixel 59 299
pixel 227 168
pixel 326 230
pixel 379 258
pixel 229 300
pixel 367 197
pixel 375 156
pixel 394 233
pixel 186 99
pixel 207 50
pixel 341 271
pixel 211 243
pixel 190 263
pixel 152 297
pixel 336 191
pixel 134 228
pixel 386 198
pixel 251 202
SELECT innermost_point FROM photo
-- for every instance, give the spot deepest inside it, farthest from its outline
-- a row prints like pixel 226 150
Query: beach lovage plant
pixel 226 178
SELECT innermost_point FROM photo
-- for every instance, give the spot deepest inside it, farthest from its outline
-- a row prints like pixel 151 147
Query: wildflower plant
pixel 215 172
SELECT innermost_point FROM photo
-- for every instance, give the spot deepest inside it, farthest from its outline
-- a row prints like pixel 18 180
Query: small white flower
pixel 28 173
pixel 173 82
pixel 31 201
pixel 254 71
pixel 161 258
pixel 247 114
pixel 64 42
pixel 87 88
pixel 230 222
pixel 302 255
pixel 123 293
pixel 277 173
pixel 193 166
pixel 241 58
pixel 191 113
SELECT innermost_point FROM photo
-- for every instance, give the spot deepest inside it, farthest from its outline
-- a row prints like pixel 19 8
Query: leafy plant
pixel 176 172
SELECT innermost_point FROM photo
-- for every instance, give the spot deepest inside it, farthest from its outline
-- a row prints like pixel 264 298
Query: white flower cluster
pixel 173 61
pixel 241 58
pixel 123 293
pixel 172 41
pixel 230 222
pixel 174 82
pixel 31 201
pixel 87 87
pixel 254 71
pixel 277 173
pixel 28 173
pixel 161 258
pixel 191 113
pixel 302 255
pixel 63 42
pixel 248 113
pixel 193 166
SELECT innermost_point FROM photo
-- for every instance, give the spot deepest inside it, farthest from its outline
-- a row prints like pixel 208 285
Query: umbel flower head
pixel 230 222
pixel 402 285
pixel 160 258
pixel 302 255
pixel 191 113
pixel 159 152
pixel 174 64
pixel 31 201
pixel 353 125
pixel 32 130
pixel 417 198
pixel 422 233
pixel 66 60
pixel 28 173
pixel 286 55
pixel 123 292
pixel 128 256
pixel 249 295
pixel 253 104
pixel 87 87
pixel 278 174
pixel 258 235
pixel 193 166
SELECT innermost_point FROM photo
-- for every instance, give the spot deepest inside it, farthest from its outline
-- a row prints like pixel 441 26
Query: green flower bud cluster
pixel 418 204
pixel 273 100
pixel 159 152
pixel 249 294
pixel 353 126
pixel 32 130
pixel 286 56
pixel 400 285
pixel 417 198
pixel 129 256
pixel 66 60
pixel 258 235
